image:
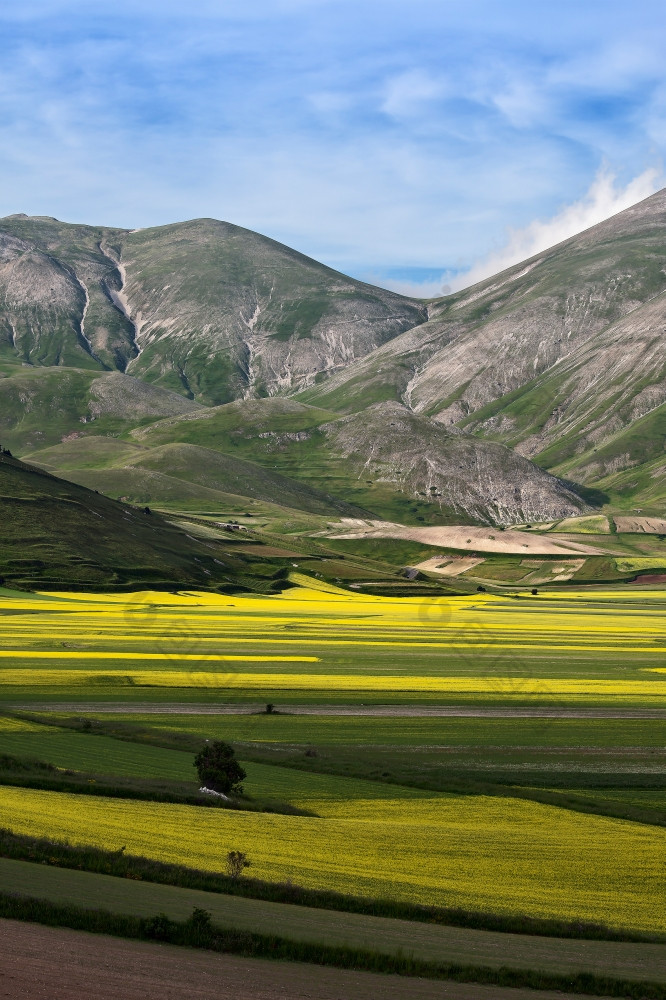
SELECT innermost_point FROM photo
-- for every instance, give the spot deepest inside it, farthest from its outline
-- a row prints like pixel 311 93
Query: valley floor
pixel 500 757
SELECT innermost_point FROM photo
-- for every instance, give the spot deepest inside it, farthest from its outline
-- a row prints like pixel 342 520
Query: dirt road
pixel 382 711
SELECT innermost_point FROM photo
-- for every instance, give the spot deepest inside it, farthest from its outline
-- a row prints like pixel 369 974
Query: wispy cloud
pixel 410 92
pixel 603 199
pixel 417 283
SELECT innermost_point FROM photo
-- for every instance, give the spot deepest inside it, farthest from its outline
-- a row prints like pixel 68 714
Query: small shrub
pixel 158 928
pixel 237 862
pixel 200 919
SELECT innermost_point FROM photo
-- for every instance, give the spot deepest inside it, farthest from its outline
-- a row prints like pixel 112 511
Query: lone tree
pixel 218 768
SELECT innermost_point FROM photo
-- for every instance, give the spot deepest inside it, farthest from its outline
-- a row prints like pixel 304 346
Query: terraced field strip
pixel 105 755
pixel 407 711
pixel 138 970
pixel 333 730
pixel 502 687
pixel 478 852
pixel 382 934
pixel 426 757
pixel 9 725
pixel 99 754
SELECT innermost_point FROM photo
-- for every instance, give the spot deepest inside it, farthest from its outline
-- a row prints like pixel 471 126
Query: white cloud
pixel 602 200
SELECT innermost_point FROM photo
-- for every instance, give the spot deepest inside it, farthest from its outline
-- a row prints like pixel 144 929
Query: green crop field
pixel 98 754
pixel 398 731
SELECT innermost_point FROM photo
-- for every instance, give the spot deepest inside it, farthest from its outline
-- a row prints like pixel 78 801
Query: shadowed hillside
pixel 58 533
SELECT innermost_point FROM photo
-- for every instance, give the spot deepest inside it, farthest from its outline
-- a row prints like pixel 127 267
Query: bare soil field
pixel 453 566
pixel 645 525
pixel 466 538
pixel 53 963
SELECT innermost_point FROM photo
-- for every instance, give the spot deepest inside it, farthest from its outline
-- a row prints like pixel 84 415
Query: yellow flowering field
pixel 596 620
pixel 11 725
pixel 544 688
pixel 590 645
pixel 502 855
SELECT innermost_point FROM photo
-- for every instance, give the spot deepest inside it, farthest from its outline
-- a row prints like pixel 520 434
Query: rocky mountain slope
pixel 477 480
pixel 205 308
pixel 555 357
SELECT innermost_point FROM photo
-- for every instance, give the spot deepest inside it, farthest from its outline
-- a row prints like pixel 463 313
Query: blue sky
pixel 402 142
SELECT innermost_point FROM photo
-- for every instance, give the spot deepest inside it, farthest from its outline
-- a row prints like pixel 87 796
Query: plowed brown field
pixel 49 963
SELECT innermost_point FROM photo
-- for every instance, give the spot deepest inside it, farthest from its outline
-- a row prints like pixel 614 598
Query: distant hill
pixel 385 460
pixel 193 475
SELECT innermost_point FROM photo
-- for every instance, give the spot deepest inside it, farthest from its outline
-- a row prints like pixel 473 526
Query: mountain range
pixel 198 365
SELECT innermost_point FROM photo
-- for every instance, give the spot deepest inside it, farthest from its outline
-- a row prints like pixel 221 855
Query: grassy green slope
pixel 40 407
pixel 186 474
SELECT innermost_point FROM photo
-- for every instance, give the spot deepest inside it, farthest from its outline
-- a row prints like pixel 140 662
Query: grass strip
pixel 199 932
pixel 21 847
pixel 27 773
